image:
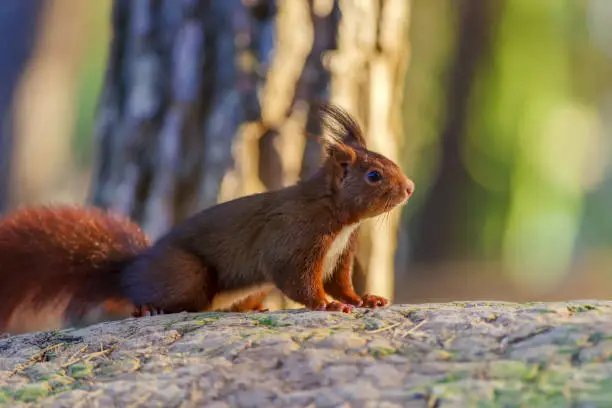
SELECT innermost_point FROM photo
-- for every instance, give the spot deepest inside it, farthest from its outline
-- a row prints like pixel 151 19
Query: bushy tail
pixel 61 262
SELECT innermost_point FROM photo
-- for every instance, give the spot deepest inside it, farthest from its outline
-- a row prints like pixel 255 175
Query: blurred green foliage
pixel 534 144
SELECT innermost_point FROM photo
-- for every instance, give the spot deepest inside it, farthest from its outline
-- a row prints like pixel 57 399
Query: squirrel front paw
pixel 338 307
pixel 332 307
pixel 353 300
pixel 373 301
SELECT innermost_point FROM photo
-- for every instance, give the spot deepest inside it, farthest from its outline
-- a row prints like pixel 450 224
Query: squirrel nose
pixel 409 187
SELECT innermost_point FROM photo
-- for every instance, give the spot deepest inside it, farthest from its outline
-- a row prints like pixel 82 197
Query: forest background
pixel 498 110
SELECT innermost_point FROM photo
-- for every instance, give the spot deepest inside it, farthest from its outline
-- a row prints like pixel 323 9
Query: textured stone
pixel 384 375
pixel 443 355
pixel 341 341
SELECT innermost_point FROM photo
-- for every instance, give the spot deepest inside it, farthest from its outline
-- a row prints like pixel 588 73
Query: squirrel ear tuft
pixel 341 125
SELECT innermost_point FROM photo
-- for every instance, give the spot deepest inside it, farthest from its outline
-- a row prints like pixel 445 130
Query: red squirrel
pixel 299 239
pixel 90 264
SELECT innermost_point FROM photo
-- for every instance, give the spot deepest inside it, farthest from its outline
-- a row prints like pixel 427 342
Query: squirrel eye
pixel 374 176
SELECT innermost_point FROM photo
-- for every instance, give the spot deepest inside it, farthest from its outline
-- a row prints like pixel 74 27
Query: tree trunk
pixel 368 79
pixel 18 21
pixel 196 111
pixel 437 233
pixel 182 79
pixel 46 107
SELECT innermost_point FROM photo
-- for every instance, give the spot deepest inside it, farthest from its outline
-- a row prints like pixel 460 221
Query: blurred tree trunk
pixel 45 105
pixel 195 110
pixel 306 31
pixel 182 79
pixel 18 21
pixel 368 79
pixel 448 202
pixel 207 101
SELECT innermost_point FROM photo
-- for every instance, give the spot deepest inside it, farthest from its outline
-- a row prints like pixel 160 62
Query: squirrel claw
pixel 373 301
pixel 338 307
pixel 319 306
pixel 356 302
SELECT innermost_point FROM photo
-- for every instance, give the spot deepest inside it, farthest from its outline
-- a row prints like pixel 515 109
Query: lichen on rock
pixel 458 354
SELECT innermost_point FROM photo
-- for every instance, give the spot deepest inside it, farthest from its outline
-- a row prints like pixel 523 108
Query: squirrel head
pixel 364 184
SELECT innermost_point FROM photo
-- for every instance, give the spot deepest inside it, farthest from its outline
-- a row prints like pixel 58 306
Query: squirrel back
pixel 61 266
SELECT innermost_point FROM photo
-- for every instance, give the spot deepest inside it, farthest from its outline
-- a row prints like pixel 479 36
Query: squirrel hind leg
pixel 172 283
pixel 80 313
pixel 30 316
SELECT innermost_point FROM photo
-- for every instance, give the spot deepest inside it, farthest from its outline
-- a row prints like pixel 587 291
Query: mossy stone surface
pixel 462 354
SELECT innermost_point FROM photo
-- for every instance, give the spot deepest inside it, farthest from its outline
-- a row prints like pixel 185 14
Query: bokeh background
pixel 498 110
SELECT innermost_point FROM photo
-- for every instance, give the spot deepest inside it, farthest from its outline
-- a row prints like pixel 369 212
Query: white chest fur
pixel 336 249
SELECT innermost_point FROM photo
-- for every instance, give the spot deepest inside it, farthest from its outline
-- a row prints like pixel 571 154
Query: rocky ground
pixel 434 355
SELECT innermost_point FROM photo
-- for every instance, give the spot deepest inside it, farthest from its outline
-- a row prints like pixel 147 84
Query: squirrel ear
pixel 339 152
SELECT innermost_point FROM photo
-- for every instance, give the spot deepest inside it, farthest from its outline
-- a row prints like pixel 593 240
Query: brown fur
pixel 281 237
pixel 62 263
